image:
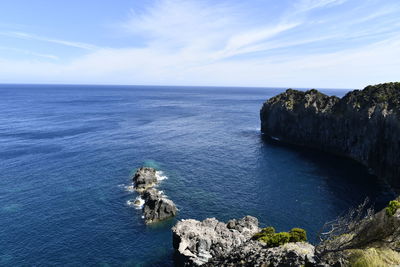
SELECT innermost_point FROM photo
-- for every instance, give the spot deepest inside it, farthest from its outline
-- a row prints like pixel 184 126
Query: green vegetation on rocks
pixel 272 239
pixel 392 207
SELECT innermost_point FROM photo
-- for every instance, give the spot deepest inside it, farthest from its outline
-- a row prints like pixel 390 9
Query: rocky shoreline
pixel 364 126
pixel 197 242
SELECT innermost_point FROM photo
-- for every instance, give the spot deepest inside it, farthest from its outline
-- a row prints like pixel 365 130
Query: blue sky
pixel 285 43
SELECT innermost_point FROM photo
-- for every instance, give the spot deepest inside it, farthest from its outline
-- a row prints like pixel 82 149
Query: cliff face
pixel 363 125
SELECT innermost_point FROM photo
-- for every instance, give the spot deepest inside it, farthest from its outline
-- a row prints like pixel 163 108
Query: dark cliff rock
pixel 363 125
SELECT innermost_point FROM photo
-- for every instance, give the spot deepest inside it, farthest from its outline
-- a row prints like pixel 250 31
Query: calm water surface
pixel 66 153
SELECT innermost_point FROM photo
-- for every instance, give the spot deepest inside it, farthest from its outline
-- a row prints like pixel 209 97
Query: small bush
pixel 268 230
pixel 272 239
pixel 279 239
pixel 392 207
pixel 298 235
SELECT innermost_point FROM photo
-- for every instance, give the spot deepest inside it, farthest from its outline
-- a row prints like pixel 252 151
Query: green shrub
pixel 392 207
pixel 268 230
pixel 298 235
pixel 272 239
pixel 279 239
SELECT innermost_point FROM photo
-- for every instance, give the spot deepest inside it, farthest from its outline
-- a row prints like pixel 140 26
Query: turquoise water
pixel 67 153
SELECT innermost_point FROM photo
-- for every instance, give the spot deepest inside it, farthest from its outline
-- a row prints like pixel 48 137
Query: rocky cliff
pixel 371 240
pixel 363 125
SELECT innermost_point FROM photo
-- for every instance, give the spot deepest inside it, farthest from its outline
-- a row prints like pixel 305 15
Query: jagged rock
pixel 144 178
pixel 196 242
pixel 157 207
pixel 363 125
pixel 255 253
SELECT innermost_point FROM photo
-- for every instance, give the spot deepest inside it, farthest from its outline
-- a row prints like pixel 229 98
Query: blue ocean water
pixel 67 153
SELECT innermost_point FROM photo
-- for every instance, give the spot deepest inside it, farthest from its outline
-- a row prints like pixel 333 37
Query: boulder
pixel 144 178
pixel 196 242
pixel 157 207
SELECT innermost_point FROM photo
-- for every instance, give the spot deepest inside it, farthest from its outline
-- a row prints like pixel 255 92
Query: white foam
pixel 275 138
pixel 138 205
pixel 161 176
pixel 129 188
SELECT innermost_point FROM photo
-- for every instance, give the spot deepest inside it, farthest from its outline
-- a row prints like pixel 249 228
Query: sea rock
pixel 363 125
pixel 157 207
pixel 196 242
pixel 255 253
pixel 144 178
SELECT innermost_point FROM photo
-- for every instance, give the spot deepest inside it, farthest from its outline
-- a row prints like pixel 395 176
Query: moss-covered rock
pixel 392 207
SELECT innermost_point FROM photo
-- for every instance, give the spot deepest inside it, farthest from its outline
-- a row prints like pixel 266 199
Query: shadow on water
pixel 348 179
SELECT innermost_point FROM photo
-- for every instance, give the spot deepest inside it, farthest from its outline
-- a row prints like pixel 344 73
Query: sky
pixel 268 43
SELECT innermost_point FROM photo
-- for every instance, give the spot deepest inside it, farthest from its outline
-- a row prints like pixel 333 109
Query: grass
pixel 373 257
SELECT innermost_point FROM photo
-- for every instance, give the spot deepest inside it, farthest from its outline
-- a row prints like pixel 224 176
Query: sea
pixel 68 153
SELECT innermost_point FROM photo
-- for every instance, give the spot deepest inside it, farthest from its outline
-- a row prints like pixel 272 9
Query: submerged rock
pixel 157 207
pixel 144 178
pixel 196 242
pixel 363 125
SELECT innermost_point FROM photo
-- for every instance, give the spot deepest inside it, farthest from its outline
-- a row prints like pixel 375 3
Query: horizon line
pixel 193 86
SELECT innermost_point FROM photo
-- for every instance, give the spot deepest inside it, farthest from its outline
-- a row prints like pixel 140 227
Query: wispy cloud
pixel 28 36
pixel 307 5
pixel 28 52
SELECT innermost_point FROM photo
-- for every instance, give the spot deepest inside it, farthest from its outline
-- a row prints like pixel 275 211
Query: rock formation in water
pixel 144 178
pixel 363 125
pixel 157 206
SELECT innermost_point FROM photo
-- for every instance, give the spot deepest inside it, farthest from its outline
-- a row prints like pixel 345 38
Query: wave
pixel 129 188
pixel 137 203
pixel 161 176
